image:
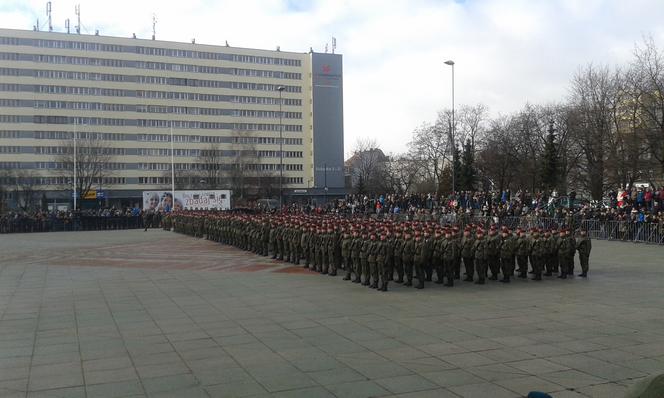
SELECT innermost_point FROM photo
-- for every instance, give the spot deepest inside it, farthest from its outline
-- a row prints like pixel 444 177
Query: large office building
pixel 133 96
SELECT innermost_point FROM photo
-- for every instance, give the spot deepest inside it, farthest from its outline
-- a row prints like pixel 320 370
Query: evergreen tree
pixel 467 174
pixel 550 162
pixel 456 166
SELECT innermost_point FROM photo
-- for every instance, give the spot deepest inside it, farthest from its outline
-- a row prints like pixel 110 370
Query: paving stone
pixel 404 384
pixel 524 385
pixel 455 377
pixel 483 390
pixel 262 333
pixel 236 389
pixel 69 392
pixel 357 389
pixel 608 390
pixel 116 389
pixel 110 375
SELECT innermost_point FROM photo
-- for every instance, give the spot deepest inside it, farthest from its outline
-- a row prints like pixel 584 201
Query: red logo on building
pixel 327 69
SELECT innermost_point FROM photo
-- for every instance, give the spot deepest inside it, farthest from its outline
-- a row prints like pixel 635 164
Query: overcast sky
pixel 507 52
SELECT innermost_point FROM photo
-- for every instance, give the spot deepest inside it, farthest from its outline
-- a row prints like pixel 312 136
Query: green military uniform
pixel 449 258
pixel 507 249
pixel 381 263
pixel 355 248
pixel 538 252
pixel 522 254
pixel 427 256
pixel 371 259
pixel 493 253
pixel 398 257
pixel 418 262
pixel 467 255
pixel 438 248
pixel 407 258
pixel 584 246
pixel 364 255
pixel 480 255
pixel 346 242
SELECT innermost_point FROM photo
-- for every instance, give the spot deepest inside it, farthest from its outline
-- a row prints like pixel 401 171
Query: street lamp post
pixel 453 129
pixel 172 169
pixel 281 149
pixel 75 149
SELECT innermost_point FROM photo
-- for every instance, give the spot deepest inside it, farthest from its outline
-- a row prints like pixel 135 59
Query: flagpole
pixel 172 170
pixel 75 124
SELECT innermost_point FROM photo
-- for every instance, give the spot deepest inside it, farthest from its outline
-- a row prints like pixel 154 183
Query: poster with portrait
pixel 163 201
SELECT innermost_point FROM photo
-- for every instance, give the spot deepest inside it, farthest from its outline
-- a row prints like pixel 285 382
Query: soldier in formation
pixel 371 251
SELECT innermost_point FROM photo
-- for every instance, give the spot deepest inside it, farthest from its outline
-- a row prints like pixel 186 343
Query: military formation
pixel 375 252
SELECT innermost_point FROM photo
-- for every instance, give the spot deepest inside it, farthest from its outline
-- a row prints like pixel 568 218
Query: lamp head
pixel 449 62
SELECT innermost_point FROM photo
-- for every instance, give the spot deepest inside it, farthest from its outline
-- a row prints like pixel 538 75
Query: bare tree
pixel 367 163
pixel 648 73
pixel 400 174
pixel 594 96
pixel 92 158
pixel 210 163
pixel 21 185
pixel 498 159
pixel 472 123
pixel 431 147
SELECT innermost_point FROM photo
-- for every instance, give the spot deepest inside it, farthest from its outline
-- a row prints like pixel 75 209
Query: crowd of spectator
pixel 68 220
pixel 635 205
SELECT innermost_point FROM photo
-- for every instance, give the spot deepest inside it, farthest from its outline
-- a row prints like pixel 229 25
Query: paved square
pixel 133 313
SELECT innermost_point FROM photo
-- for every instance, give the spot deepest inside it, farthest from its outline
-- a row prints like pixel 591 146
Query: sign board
pixel 101 194
pixel 188 200
pixel 90 195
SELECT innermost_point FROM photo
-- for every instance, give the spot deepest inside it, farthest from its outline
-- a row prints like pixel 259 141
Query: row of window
pixel 62 150
pixel 167 180
pixel 170 95
pixel 105 181
pixel 217 166
pixel 272 154
pixel 218 139
pixel 64 166
pixel 10 149
pixel 98 136
pixel 10 165
pixel 63 180
pixel 187 110
pixel 113 77
pixel 152 123
pixel 121 63
pixel 156 51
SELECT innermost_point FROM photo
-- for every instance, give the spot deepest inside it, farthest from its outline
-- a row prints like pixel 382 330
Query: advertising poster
pixel 162 201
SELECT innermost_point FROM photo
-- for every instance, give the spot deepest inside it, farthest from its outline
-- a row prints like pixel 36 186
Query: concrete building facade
pixel 128 94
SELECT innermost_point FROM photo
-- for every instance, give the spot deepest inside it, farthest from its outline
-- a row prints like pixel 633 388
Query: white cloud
pixel 507 52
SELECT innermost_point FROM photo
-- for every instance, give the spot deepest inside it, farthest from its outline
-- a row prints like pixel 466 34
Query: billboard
pixel 188 200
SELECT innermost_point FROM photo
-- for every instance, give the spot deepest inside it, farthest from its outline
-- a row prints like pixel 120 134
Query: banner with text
pixel 189 200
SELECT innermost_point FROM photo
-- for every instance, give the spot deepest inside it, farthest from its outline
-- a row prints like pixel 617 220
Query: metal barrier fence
pixel 626 231
pixel 83 223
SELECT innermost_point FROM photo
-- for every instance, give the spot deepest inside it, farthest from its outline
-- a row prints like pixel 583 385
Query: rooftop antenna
pixel 77 10
pixel 48 13
pixel 154 26
pixel 67 25
pixel 334 44
pixel 325 48
pixel 36 27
